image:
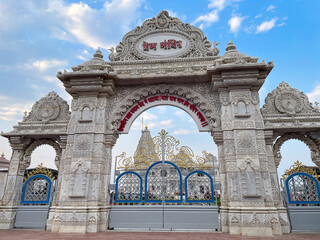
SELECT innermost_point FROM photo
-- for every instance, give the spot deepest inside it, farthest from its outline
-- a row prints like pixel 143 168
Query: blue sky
pixel 40 37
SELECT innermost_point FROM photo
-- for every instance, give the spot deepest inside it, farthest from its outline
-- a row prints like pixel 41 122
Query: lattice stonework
pixel 302 189
pixel 129 188
pixel 199 187
pixel 37 190
pixel 163 180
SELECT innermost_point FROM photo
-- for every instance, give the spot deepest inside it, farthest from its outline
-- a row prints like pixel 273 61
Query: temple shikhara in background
pixel 165 185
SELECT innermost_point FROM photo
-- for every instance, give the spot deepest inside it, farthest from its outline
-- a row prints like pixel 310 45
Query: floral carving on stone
pixel 286 100
pixel 49 108
pixel 245 139
pixel 83 142
pixel 192 42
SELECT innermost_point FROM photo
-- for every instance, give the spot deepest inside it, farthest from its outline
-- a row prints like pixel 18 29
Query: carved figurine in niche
pixel 250 179
pixel 86 114
pixel 241 108
pixel 79 180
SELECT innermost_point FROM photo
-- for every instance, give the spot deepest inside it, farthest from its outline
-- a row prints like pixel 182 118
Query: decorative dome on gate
pixel 96 64
pixel 4 163
pixel 233 56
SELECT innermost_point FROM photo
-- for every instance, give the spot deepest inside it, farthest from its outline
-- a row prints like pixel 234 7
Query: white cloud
pixel 184 132
pixel 218 4
pixel 78 22
pixel 270 8
pixel 43 65
pixel 50 79
pixel 148 116
pixel 55 80
pixel 162 109
pixel 167 123
pixel 148 120
pixel 82 58
pixel 314 95
pixel 266 26
pixel 180 113
pixel 208 19
pixel 11 110
pixel 235 23
pixel 258 16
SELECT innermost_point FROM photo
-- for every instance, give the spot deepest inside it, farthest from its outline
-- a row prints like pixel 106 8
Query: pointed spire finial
pixel 2 155
pixel 230 46
pixel 98 53
pixel 142 123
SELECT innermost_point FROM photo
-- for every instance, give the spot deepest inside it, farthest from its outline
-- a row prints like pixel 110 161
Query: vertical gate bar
pixel 163 169
pixel 214 183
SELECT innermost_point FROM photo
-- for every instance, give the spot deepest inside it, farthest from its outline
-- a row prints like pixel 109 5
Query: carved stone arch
pixel 237 99
pixel 35 144
pixel 315 154
pixel 212 118
pixel 285 100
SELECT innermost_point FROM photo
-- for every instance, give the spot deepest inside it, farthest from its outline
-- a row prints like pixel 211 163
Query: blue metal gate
pixel 161 200
pixel 36 198
pixel 303 201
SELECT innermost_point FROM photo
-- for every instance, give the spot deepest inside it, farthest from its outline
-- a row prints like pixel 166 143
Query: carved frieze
pixel 245 139
pixel 194 97
pixel 49 108
pixel 163 37
pixel 83 142
pixel 287 101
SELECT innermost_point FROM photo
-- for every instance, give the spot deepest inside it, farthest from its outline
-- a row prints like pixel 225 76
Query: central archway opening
pixel 175 121
pixel 171 188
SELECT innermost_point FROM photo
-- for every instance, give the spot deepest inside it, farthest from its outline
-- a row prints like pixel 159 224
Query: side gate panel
pixel 29 216
pixel 304 218
pixel 136 216
pixel 191 217
pixel 35 203
pixel 303 196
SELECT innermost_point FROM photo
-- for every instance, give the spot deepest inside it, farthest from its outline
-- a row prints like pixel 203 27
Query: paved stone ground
pixel 150 235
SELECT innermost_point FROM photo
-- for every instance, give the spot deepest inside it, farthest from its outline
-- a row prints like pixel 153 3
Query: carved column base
pixel 254 221
pixel 78 219
pixel 7 217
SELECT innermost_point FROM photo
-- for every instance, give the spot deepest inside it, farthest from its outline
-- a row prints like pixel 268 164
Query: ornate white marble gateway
pixel 164 62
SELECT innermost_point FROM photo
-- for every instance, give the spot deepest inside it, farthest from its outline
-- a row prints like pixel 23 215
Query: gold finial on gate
pixel 299 167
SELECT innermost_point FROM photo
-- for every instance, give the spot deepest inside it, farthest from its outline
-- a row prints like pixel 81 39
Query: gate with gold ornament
pixel 302 197
pixel 174 192
pixel 36 198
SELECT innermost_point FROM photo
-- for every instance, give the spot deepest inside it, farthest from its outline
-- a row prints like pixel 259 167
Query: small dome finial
pixel 98 53
pixel 230 46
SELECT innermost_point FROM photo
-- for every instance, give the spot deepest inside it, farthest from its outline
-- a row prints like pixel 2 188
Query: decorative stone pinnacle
pixel 98 53
pixel 230 46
